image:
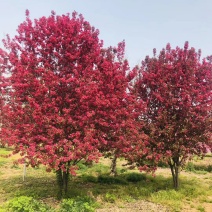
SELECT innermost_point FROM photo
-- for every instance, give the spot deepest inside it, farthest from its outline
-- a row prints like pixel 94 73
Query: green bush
pixel 82 166
pixel 105 179
pixel 89 178
pixel 78 205
pixel 135 177
pixel 26 204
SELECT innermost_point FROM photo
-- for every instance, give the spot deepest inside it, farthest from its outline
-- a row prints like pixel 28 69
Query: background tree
pixel 116 112
pixel 177 87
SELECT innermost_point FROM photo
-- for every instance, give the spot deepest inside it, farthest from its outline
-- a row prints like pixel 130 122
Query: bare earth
pixel 136 206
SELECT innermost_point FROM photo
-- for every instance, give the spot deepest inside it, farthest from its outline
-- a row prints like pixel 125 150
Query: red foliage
pixel 67 95
pixel 3 65
pixel 177 87
pixel 116 114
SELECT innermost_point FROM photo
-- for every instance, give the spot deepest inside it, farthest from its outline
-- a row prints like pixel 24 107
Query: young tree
pixel 177 87
pixel 116 114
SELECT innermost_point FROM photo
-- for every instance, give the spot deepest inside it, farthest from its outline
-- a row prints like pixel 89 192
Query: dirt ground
pixel 144 206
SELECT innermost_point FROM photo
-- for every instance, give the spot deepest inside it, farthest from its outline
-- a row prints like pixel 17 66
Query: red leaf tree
pixel 67 97
pixel 116 114
pixel 3 68
pixel 51 86
pixel 177 87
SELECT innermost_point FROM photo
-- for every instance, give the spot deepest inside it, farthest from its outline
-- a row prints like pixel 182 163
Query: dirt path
pixel 144 206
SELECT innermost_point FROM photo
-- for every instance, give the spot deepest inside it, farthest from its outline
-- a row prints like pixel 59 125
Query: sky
pixel 143 24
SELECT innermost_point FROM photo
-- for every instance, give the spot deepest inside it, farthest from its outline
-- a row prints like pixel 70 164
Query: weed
pixel 200 208
pixel 85 204
pixel 110 197
pixel 168 197
pixel 3 163
pixel 26 204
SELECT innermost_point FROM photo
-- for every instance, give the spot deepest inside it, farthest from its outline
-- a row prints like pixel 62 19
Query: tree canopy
pixel 177 87
pixel 65 94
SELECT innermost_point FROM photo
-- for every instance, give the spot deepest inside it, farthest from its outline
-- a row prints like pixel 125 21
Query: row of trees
pixel 65 98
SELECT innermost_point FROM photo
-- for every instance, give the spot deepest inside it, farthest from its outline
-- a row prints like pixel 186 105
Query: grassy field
pixel 94 190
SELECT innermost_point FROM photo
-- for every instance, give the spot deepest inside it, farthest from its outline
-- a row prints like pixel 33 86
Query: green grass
pixel 94 182
pixel 3 163
pixel 3 153
pixel 190 190
pixel 200 208
pixel 198 168
pixel 25 204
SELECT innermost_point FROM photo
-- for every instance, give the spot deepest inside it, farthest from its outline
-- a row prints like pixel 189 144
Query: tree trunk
pixel 59 177
pixel 175 167
pixel 62 182
pixel 65 181
pixel 113 170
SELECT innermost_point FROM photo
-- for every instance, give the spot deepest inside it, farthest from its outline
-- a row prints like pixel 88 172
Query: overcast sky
pixel 143 24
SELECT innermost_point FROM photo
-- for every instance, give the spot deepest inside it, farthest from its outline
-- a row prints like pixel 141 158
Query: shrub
pixel 89 178
pixel 82 166
pixel 85 204
pixel 26 204
pixel 110 197
pixel 135 177
pixel 105 179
